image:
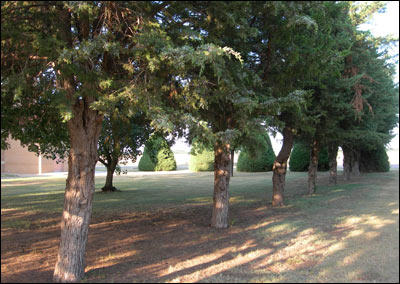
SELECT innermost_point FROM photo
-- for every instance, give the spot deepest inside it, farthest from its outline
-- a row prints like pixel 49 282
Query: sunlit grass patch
pixel 347 232
pixel 16 224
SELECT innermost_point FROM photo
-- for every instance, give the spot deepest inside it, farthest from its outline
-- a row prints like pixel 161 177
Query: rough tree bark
pixel 222 168
pixel 84 130
pixel 332 155
pixel 355 165
pixel 280 167
pixel 232 160
pixel 347 162
pixel 313 168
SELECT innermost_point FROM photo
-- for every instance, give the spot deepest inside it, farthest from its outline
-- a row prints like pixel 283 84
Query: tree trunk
pixel 313 168
pixel 355 166
pixel 347 162
pixel 84 130
pixel 280 168
pixel 332 154
pixel 222 176
pixel 109 179
pixel 232 160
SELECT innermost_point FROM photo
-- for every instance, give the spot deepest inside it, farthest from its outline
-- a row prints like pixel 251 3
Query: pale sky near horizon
pixel 381 24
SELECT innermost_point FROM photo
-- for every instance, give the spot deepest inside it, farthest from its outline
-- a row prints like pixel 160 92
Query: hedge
pixel 375 160
pixel 157 155
pixel 258 157
pixel 300 158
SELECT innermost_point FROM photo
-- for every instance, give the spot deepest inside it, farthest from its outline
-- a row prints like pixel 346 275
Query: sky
pixel 380 25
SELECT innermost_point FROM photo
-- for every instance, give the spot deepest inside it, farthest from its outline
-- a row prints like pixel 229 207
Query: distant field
pixel 157 230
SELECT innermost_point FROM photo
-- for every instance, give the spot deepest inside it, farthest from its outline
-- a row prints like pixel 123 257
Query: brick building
pixel 18 160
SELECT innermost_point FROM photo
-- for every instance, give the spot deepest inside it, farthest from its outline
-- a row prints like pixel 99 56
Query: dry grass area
pixel 344 233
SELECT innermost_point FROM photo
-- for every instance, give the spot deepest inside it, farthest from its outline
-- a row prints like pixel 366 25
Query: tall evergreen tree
pixel 372 99
pixel 66 62
pixel 305 42
pixel 219 110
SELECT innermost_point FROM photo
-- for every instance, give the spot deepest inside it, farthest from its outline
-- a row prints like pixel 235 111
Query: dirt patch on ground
pixel 139 247
pixel 178 245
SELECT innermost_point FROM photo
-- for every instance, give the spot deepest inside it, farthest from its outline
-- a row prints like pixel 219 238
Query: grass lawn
pixel 156 229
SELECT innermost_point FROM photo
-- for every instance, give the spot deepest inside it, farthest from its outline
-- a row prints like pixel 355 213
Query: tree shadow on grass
pixel 301 242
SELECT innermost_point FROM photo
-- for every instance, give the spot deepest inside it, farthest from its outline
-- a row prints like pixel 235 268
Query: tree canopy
pixel 216 72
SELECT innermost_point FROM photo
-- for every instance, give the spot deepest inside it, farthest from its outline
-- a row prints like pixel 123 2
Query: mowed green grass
pixel 343 233
pixel 138 193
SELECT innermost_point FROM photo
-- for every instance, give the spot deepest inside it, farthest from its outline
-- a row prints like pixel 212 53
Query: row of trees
pixel 218 73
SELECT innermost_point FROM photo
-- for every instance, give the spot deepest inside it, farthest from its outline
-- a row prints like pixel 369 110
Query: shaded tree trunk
pixel 232 160
pixel 110 175
pixel 313 168
pixel 355 165
pixel 84 130
pixel 280 167
pixel 347 162
pixel 332 155
pixel 222 168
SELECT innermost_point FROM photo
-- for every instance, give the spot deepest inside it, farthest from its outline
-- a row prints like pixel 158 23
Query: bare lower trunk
pixel 232 160
pixel 347 162
pixel 332 154
pixel 313 168
pixel 280 168
pixel 355 166
pixel 222 176
pixel 109 179
pixel 84 130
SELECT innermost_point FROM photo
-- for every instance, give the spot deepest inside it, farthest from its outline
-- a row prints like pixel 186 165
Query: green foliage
pixel 165 160
pixel 361 12
pixel 257 156
pixel 94 49
pixel 323 160
pixel 216 69
pixel 121 137
pixel 300 158
pixel 201 158
pixel 145 163
pixel 157 155
pixel 374 160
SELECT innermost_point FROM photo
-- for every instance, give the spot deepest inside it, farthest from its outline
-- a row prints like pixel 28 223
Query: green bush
pixel 300 158
pixel 375 160
pixel 323 160
pixel 157 155
pixel 257 156
pixel 201 157
pixel 202 161
pixel 145 163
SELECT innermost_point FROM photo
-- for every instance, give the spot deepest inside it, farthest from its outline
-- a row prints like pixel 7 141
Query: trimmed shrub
pixel 258 157
pixel 145 163
pixel 202 161
pixel 300 158
pixel 375 160
pixel 157 155
pixel 201 157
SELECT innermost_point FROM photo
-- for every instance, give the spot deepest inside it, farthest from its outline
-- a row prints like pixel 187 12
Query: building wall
pixel 18 160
